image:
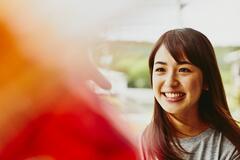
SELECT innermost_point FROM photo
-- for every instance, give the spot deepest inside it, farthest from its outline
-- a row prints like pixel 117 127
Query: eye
pixel 160 69
pixel 184 70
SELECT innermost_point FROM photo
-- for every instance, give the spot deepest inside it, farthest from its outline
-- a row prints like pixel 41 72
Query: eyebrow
pixel 179 63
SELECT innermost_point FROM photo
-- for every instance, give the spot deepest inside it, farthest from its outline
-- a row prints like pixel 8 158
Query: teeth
pixel 173 95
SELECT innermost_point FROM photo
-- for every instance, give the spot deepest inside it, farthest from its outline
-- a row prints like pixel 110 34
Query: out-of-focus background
pixel 120 35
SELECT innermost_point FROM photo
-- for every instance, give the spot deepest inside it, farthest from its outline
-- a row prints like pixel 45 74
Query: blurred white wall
pixel 218 19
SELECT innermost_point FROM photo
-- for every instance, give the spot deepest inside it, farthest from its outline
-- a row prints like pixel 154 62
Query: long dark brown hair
pixel 158 138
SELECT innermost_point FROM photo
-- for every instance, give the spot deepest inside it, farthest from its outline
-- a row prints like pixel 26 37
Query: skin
pixel 177 88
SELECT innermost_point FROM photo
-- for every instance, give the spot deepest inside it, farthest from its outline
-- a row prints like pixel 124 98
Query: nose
pixel 171 80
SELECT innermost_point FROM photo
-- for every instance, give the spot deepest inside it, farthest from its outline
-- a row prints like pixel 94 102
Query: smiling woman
pixel 191 118
pixel 177 85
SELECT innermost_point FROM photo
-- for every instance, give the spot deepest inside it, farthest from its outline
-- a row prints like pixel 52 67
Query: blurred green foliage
pixel 130 58
pixel 225 69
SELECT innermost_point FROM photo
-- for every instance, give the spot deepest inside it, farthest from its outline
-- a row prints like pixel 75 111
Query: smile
pixel 174 96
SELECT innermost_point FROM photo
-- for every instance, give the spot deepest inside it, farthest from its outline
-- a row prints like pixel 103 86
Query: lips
pixel 174 96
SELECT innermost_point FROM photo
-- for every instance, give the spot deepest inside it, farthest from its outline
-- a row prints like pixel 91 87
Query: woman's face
pixel 177 86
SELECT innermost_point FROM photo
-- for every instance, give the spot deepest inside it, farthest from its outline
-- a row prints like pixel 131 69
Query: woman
pixel 191 118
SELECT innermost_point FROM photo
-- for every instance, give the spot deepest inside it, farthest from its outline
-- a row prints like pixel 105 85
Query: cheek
pixel 156 84
pixel 195 86
pixel 154 81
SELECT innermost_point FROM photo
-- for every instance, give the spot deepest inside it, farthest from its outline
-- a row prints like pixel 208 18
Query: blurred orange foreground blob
pixel 43 116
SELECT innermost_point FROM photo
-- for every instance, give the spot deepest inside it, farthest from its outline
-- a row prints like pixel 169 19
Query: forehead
pixel 164 55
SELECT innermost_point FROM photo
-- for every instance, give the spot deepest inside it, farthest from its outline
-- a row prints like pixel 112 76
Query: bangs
pixel 176 46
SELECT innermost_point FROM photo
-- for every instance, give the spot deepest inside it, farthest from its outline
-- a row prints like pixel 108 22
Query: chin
pixel 171 110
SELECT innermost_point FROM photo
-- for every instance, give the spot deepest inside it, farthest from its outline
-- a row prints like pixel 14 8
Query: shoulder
pixel 141 146
pixel 226 148
pixel 144 143
pixel 211 144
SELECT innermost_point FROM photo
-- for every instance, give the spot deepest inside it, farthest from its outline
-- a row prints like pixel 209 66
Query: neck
pixel 187 125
